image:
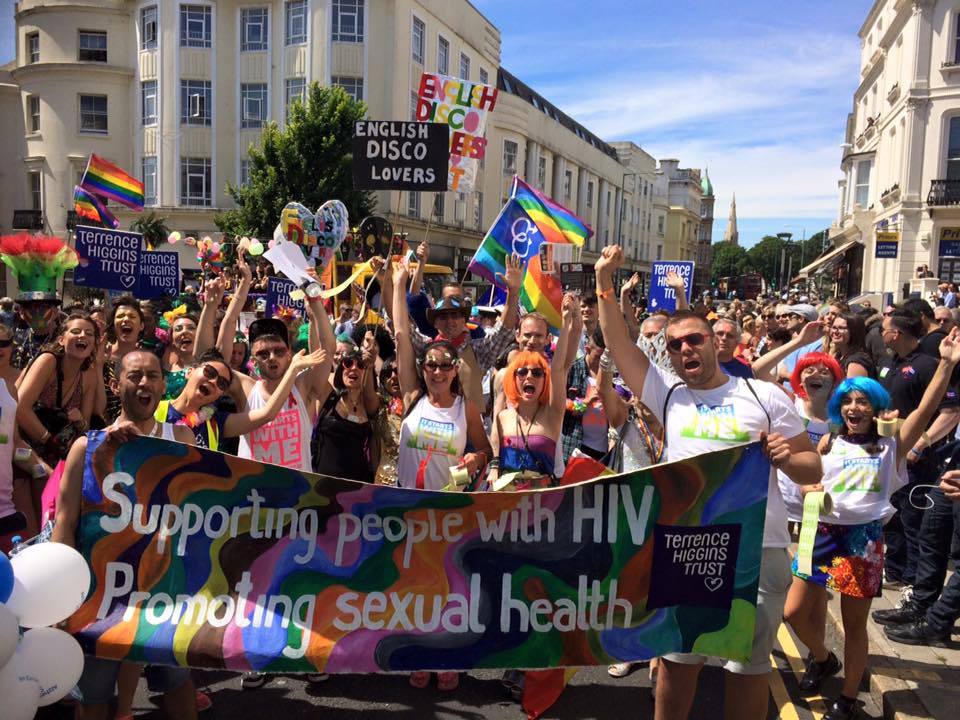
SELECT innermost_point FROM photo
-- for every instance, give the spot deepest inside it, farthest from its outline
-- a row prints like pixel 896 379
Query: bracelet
pixel 22 454
pixel 605 294
pixel 44 438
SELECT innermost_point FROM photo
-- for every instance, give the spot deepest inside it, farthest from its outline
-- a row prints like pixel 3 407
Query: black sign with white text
pixel 400 155
pixel 694 566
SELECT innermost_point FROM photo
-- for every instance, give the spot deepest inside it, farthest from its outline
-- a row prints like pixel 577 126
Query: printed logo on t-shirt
pixel 279 442
pixel 715 423
pixel 907 372
pixel 433 436
pixel 884 372
pixel 858 474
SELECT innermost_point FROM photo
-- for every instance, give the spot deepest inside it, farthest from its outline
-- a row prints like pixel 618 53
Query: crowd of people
pixel 440 394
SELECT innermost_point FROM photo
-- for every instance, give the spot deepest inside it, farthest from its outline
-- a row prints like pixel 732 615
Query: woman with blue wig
pixel 863 464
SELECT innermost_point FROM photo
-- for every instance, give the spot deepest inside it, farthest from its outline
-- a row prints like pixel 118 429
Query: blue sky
pixel 757 91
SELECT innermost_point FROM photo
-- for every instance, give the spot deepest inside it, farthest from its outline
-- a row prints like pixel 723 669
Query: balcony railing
pixel 944 192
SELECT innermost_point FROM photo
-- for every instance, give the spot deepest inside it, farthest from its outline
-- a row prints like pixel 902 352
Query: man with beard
pixel 140 386
pixel 691 413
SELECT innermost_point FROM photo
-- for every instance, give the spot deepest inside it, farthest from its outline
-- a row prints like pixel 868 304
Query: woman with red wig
pixel 524 435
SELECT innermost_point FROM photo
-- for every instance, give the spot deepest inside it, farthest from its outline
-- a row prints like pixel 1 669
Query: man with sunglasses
pixel 705 412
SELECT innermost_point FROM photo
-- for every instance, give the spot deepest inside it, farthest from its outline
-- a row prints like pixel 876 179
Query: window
pixel 567 185
pixel 439 206
pixel 510 150
pixel 148 102
pixel 93 114
pixel 253 105
pixel 956 43
pixel 414 100
pixel 295 89
pixel 484 77
pixel 196 102
pixel 953 150
pixel 93 46
pixel 464 67
pixel 36 191
pixel 254 29
pixel 148 28
pixel 659 229
pixel 195 184
pixel 417 39
pixel 195 26
pixel 590 193
pixel 33 48
pixel 33 109
pixel 659 253
pixel 862 190
pixel 353 86
pixel 347 21
pixel 148 173
pixel 649 218
pixel 413 204
pixel 244 172
pixel 296 22
pixel 541 172
pixel 478 211
pixel 443 56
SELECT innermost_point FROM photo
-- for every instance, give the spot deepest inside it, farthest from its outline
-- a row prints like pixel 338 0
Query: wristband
pixel 22 454
pixel 45 437
pixel 605 294
pixel 38 471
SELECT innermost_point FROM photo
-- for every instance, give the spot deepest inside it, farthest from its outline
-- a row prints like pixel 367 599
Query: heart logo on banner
pixel 128 281
pixel 713 583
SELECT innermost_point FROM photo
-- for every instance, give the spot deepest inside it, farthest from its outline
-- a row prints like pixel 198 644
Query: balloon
pixel 55 659
pixel 256 248
pixel 51 580
pixel 190 240
pixel 6 579
pixel 19 689
pixel 9 634
pixel 174 237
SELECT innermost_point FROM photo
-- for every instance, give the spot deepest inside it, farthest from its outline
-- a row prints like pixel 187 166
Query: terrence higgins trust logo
pixel 521 232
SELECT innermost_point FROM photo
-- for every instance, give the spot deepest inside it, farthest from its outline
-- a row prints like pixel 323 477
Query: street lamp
pixel 785 238
pixel 623 193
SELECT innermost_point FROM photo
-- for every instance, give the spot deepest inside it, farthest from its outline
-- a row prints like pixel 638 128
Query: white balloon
pixel 50 581
pixel 19 689
pixel 55 659
pixel 9 634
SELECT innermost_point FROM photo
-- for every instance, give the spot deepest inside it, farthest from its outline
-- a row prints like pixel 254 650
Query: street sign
pixel 662 297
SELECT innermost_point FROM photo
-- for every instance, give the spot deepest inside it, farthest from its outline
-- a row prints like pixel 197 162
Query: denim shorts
pixel 99 679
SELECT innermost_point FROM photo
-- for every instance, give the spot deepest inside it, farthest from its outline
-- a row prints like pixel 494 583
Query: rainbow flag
pixel 87 205
pixel 557 224
pixel 514 231
pixel 542 688
pixel 109 181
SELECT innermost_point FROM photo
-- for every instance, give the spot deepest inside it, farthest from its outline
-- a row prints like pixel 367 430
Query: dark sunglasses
pixel 693 340
pixel 348 362
pixel 6 343
pixel 534 372
pixel 941 321
pixel 210 373
pixel 275 352
pixel 433 367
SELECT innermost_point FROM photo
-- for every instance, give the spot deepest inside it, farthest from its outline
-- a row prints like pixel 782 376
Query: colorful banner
pixel 208 560
pixel 463 106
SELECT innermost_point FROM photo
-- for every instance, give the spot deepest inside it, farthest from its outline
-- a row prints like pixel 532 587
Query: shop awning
pixel 824 263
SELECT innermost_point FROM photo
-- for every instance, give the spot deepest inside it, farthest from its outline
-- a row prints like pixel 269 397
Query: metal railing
pixel 944 192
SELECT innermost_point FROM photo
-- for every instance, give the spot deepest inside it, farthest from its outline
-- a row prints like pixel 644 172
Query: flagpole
pixel 495 221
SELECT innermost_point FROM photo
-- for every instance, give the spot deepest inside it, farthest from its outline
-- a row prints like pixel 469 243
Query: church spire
pixel 732 235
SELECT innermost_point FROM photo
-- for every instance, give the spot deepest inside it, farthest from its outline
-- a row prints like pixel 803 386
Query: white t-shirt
pixel 703 421
pixel 861 483
pixel 792 497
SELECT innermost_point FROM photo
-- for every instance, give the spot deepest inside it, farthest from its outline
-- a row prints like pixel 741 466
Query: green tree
pixel 728 260
pixel 308 161
pixel 154 229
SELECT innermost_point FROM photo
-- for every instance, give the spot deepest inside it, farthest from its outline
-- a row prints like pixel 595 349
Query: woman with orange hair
pixel 524 435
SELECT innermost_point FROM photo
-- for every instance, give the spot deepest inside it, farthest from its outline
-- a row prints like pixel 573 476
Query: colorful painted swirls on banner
pixel 208 560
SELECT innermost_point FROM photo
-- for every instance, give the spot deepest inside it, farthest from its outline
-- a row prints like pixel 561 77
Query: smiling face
pixel 450 324
pixel 588 311
pixel 817 381
pixel 207 382
pixel 127 325
pixel 532 334
pixel 857 412
pixel 140 385
pixel 439 370
pixel 183 333
pixel 840 333
pixel 692 352
pixel 79 339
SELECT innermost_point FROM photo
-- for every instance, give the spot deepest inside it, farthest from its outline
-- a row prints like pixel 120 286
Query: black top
pixel 343 448
pixel 907 378
pixel 860 358
pixel 930 343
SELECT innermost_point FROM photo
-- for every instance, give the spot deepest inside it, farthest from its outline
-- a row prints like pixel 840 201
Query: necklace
pixel 352 415
pixel 199 417
pixel 523 436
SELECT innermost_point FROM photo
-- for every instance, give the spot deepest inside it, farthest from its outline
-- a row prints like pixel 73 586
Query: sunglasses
pixel 693 340
pixel 348 362
pixel 6 343
pixel 534 372
pixel 941 321
pixel 433 367
pixel 274 352
pixel 210 373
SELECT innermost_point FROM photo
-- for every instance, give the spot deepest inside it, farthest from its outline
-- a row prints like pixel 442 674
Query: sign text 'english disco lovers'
pixel 398 155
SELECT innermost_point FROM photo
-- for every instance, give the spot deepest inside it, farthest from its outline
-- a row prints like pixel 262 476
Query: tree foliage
pixel 728 260
pixel 307 161
pixel 153 228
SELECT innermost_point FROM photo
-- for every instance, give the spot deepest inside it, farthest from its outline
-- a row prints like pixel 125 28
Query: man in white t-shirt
pixel 709 411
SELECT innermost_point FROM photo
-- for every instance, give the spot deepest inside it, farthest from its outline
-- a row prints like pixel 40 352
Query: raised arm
pixel 679 287
pixel 626 306
pixel 916 422
pixel 630 359
pixel 243 422
pixel 228 327
pixel 212 296
pixel 38 375
pixel 423 257
pixel 614 406
pixel 571 327
pixel 764 367
pixel 513 279
pixel 406 357
pixel 69 496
